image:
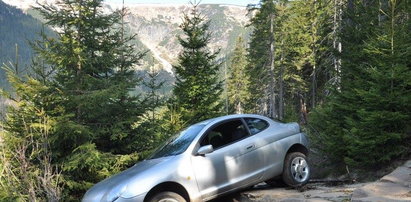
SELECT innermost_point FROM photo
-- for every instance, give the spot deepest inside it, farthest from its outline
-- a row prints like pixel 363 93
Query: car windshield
pixel 178 143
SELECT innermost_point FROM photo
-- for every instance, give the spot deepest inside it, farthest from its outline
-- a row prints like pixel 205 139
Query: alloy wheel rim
pixel 299 169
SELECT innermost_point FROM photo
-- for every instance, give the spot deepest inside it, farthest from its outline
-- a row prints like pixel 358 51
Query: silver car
pixel 210 159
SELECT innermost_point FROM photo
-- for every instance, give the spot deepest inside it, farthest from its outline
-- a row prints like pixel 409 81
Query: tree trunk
pixel 303 109
pixel 225 87
pixel 79 64
pixel 313 87
pixel 16 64
pixel 313 44
pixel 281 85
pixel 238 108
pixel 337 46
pixel 273 111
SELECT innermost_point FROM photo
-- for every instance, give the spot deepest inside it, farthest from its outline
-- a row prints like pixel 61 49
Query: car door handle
pixel 249 147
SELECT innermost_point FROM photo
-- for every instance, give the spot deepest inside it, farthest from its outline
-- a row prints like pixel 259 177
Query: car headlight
pixel 115 193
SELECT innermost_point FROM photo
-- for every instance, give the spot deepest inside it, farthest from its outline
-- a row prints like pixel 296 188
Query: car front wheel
pixel 296 170
pixel 167 196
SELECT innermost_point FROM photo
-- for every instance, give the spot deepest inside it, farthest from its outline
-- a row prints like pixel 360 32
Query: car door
pixel 267 145
pixel 232 164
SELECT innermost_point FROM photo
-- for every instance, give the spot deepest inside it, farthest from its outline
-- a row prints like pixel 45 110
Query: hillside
pixel 157 29
pixel 17 29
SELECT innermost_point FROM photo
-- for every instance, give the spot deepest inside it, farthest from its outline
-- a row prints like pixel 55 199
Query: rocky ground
pixel 395 186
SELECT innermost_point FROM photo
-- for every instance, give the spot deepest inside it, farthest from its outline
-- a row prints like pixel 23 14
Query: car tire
pixel 167 196
pixel 296 170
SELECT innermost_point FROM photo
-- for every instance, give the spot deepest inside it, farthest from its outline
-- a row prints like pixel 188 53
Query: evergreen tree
pixel 92 73
pixel 27 170
pixel 150 126
pixel 259 58
pixel 238 81
pixel 289 57
pixel 197 89
pixel 374 100
pixel 153 99
pixel 306 35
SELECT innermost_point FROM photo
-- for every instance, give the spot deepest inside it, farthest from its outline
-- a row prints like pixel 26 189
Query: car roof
pixel 226 117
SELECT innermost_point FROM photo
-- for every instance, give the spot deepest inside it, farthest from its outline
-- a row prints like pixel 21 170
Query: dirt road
pixel 395 187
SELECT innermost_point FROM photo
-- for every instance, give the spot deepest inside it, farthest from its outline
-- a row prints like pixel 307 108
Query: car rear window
pixel 256 125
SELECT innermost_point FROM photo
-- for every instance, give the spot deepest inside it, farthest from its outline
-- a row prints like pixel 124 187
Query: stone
pixel 395 186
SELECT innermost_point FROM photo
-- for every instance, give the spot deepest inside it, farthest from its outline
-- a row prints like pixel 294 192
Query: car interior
pixel 225 133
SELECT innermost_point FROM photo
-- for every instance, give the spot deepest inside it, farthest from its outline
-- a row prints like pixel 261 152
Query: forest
pixel 340 68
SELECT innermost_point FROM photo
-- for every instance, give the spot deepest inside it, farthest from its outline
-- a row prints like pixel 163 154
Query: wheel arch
pixel 168 186
pixel 298 148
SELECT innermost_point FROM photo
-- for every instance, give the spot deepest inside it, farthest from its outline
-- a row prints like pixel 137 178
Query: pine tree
pixel 150 125
pixel 284 64
pixel 238 81
pixel 306 36
pixel 92 62
pixel 26 158
pixel 259 58
pixel 366 121
pixel 197 89
pixel 153 100
pixel 383 98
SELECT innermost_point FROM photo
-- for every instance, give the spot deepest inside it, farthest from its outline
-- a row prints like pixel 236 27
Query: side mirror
pixel 205 150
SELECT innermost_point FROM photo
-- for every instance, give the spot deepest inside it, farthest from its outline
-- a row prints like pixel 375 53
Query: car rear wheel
pixel 296 170
pixel 167 196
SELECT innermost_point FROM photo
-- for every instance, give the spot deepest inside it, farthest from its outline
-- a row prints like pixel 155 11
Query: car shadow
pixel 233 197
pixel 239 196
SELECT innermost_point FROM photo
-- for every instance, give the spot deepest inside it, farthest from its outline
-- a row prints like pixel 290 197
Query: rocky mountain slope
pixel 157 27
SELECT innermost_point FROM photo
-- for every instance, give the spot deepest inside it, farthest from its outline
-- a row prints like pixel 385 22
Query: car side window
pixel 256 125
pixel 224 134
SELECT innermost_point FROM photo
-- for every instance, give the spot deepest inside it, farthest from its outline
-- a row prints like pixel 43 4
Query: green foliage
pixel 259 56
pixel 294 35
pixel 305 52
pixel 197 89
pixel 77 118
pixel 367 121
pixel 304 24
pixel 152 122
pixel 237 83
pixel 25 161
pixel 90 165
pixel 82 81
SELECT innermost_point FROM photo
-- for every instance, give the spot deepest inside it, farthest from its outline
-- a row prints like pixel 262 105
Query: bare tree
pixel 337 45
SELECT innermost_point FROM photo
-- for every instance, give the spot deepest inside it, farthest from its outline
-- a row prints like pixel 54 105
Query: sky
pixel 233 2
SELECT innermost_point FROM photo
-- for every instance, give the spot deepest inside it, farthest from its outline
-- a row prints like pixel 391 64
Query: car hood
pixel 112 186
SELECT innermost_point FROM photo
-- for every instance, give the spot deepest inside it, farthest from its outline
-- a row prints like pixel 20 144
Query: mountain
pixel 16 30
pixel 157 29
